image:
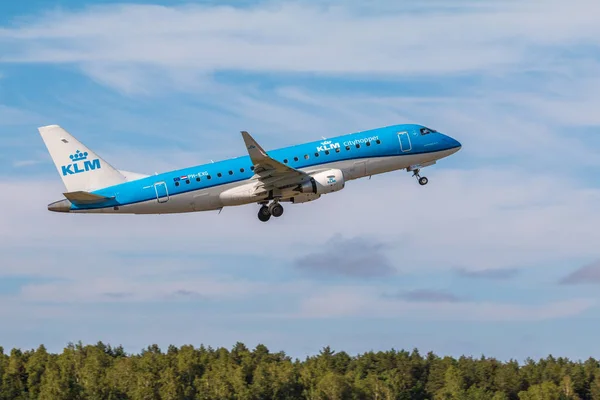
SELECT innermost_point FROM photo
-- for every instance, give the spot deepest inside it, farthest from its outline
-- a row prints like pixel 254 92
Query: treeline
pixel 104 372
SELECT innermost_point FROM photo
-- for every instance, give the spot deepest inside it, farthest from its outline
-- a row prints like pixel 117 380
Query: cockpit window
pixel 426 131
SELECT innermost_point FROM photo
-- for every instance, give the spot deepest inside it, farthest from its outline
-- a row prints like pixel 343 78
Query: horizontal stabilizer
pixel 81 197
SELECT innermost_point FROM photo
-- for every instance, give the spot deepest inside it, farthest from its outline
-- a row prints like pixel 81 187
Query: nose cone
pixel 452 143
pixel 60 206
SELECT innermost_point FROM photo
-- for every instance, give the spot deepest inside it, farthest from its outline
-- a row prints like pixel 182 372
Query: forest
pixel 103 372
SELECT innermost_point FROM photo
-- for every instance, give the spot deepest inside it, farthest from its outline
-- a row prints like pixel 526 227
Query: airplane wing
pixel 271 173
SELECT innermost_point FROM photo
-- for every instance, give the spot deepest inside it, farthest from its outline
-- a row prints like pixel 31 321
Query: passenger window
pixel 187 181
pixel 306 156
pixel 316 154
pixel 295 158
pixel 285 161
pixel 358 145
pixel 176 183
pixel 378 141
pixel 252 168
pixel 368 144
pixel 230 172
pixel 198 179
pixel 327 152
pixel 242 170
pixel 219 175
pixel 337 149
pixel 347 147
pixel 207 176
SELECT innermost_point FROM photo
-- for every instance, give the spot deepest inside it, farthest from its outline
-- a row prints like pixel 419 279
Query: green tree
pixel 170 386
pixel 35 367
pixel 15 377
pixel 544 391
pixel 454 385
pixel 333 386
pixel 52 387
pixel 595 387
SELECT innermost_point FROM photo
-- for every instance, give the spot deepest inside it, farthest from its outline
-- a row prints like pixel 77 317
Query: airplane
pixel 295 174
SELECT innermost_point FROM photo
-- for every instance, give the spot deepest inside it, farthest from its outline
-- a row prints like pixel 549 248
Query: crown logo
pixel 78 156
pixel 326 142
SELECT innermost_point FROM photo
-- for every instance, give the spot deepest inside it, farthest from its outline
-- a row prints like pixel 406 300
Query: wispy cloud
pixel 493 274
pixel 427 295
pixel 210 38
pixel 364 302
pixel 504 112
pixel 353 257
pixel 10 116
pixel 141 290
pixel 26 163
pixel 588 274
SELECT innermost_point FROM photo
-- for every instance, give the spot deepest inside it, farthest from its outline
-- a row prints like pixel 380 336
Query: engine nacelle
pixel 304 197
pixel 323 182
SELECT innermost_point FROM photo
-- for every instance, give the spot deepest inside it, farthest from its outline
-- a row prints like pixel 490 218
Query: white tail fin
pixel 79 167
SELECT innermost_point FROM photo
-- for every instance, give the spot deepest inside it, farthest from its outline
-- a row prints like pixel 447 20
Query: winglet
pixel 263 163
pixel 256 152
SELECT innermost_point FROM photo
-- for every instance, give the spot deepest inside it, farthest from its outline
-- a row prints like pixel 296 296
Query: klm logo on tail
pixel 79 164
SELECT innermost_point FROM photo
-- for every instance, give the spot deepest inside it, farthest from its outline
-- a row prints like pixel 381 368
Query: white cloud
pixel 530 213
pixel 176 48
pixel 361 302
pixel 115 289
pixel 479 219
pixel 10 116
pixel 294 37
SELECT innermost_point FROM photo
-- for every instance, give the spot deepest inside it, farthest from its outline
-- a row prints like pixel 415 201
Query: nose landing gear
pixel 421 179
pixel 266 211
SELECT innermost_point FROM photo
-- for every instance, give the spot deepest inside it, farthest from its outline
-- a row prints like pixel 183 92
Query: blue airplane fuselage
pixel 201 187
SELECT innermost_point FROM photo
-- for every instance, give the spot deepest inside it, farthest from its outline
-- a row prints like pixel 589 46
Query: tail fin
pixel 79 167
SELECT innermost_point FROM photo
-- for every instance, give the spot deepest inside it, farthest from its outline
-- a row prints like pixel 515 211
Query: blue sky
pixel 497 255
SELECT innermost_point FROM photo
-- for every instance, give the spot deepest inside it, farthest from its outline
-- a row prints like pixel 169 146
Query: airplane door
pixel 162 194
pixel 404 140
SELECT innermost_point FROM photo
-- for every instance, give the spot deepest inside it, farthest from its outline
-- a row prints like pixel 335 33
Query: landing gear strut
pixel 266 211
pixel 421 179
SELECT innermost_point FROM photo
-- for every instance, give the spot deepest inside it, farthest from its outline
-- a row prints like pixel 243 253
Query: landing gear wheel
pixel 263 214
pixel 423 181
pixel 276 210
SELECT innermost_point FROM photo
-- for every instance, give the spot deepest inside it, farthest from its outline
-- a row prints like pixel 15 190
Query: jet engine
pixel 304 197
pixel 323 182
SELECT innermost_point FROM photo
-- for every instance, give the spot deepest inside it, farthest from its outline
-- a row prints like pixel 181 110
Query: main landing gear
pixel 266 211
pixel 421 179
